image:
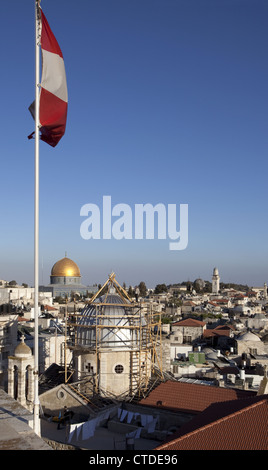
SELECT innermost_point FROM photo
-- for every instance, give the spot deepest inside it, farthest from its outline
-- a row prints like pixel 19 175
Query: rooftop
pixel 15 430
pixel 191 397
pixel 189 322
pixel 233 425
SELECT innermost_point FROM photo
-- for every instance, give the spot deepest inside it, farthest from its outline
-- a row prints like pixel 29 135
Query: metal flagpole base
pixel 37 427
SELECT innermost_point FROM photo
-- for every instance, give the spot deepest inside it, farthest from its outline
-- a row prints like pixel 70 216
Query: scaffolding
pixel 112 321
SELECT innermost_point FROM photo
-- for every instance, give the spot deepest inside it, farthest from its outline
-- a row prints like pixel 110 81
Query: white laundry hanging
pixel 151 425
pixel 72 432
pixel 129 416
pixel 123 415
pixel 88 428
pixel 78 430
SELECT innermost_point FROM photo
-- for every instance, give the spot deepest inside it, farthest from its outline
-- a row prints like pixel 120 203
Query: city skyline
pixel 167 104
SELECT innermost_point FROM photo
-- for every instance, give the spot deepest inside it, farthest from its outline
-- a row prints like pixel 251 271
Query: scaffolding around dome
pixel 115 343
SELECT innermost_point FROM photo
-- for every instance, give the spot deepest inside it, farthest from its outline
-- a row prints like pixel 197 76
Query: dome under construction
pixel 112 321
pixel 115 342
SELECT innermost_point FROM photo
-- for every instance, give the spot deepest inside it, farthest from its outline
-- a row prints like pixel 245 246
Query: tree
pixel 143 289
pixel 130 291
pixel 160 288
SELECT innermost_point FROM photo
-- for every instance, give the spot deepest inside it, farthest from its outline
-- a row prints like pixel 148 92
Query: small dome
pixel 248 336
pixel 200 282
pixel 215 272
pixel 22 350
pixel 260 316
pixel 65 267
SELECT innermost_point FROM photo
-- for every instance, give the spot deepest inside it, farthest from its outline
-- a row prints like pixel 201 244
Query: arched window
pixel 15 372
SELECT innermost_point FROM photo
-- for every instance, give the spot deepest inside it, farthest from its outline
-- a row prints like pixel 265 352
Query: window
pixel 89 368
pixel 118 369
pixel 253 351
pixel 61 394
pixel 187 339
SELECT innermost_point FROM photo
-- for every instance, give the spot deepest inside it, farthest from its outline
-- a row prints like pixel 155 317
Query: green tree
pixel 143 289
pixel 130 291
pixel 160 288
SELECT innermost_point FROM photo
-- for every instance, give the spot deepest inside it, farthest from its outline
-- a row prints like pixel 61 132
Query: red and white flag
pixel 53 102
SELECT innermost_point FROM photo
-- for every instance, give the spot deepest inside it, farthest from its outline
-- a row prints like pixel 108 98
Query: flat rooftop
pixel 16 432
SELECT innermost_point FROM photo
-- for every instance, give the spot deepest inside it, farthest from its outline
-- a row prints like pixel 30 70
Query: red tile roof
pixel 221 330
pixel 48 307
pixel 209 333
pixel 189 397
pixel 224 327
pixel 189 322
pixel 235 425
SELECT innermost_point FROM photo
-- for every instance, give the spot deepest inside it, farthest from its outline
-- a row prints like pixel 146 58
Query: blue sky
pixel 167 104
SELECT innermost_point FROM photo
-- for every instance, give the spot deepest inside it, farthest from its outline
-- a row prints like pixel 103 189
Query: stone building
pixel 259 321
pixel 114 345
pixel 8 342
pixel 20 375
pixel 52 349
pixel 250 343
pixel 188 331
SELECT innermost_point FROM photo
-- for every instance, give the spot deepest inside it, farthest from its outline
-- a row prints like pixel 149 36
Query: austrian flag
pixel 53 101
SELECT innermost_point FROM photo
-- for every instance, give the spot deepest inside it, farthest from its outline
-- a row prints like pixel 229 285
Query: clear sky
pixel 167 104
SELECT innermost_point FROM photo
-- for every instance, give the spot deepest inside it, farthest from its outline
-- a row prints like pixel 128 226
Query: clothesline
pixel 86 429
pixel 146 420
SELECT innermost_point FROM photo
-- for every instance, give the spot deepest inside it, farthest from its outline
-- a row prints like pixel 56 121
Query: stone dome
pixel 260 316
pixel 200 283
pixel 65 267
pixel 248 336
pixel 22 350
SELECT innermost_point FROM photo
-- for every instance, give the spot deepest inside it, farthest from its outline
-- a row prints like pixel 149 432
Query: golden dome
pixel 65 267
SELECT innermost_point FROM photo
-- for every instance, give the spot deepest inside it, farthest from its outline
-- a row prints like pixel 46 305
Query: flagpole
pixel 36 218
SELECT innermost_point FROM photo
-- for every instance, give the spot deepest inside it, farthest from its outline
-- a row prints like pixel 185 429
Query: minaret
pixel 215 281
